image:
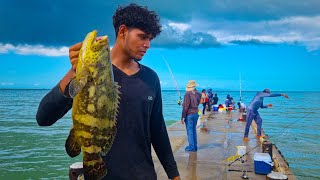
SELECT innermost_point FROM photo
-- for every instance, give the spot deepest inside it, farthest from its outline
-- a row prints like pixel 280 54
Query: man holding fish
pixel 133 119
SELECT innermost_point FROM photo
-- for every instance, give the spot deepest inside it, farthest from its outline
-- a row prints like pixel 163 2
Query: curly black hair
pixel 135 16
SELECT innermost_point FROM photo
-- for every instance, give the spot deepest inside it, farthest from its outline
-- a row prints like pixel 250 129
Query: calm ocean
pixel 28 151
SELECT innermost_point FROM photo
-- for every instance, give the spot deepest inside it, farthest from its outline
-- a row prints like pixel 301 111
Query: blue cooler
pixel 215 108
pixel 262 163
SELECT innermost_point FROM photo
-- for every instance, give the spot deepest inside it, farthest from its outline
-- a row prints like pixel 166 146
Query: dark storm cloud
pixel 171 38
pixel 63 23
pixel 52 22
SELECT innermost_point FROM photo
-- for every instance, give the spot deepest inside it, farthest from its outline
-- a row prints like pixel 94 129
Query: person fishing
pixel 190 114
pixel 253 114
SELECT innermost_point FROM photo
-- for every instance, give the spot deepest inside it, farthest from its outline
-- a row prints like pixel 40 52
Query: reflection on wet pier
pixel 216 144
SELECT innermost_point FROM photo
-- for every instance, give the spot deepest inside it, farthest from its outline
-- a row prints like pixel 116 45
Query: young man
pixel 252 111
pixel 140 120
pixel 190 114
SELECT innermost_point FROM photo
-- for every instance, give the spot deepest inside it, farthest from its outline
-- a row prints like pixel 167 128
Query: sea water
pixel 28 151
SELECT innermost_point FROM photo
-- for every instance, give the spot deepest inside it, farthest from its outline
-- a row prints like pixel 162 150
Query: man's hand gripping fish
pixel 95 106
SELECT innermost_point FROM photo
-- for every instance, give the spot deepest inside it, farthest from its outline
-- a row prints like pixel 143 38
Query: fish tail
pixel 93 166
pixel 73 148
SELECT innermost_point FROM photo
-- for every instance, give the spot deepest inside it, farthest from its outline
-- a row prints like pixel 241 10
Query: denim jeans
pixel 191 125
pixel 204 108
pixel 251 115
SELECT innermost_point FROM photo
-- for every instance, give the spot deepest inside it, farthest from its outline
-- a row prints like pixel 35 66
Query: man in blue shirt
pixel 252 111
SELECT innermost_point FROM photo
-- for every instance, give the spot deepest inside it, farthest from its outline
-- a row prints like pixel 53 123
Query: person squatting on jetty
pixel 242 107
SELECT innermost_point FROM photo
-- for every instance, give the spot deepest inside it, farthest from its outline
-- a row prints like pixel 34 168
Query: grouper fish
pixel 95 106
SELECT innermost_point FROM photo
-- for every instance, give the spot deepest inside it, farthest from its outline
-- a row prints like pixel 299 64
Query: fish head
pixel 95 51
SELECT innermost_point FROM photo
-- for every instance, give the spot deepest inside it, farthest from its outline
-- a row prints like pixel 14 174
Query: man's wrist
pixel 66 80
pixel 66 90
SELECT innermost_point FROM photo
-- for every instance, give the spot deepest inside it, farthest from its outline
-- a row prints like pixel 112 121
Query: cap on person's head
pixel 266 90
pixel 191 85
pixel 228 96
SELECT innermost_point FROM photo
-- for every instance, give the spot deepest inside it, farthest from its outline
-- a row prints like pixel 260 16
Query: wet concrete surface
pixel 215 146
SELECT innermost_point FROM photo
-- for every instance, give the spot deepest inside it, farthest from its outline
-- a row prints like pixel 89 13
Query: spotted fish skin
pixel 95 106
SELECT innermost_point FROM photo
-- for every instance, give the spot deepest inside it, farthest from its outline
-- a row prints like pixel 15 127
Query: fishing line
pixel 285 115
pixel 269 138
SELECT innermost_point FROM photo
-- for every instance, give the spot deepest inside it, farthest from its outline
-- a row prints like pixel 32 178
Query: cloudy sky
pixel 271 43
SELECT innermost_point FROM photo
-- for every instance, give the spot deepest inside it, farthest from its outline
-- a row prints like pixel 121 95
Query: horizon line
pixel 164 89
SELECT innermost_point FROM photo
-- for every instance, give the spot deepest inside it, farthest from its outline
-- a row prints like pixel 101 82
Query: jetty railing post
pixel 267 148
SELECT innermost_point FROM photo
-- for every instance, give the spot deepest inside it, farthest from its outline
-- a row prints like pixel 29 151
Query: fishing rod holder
pixel 242 160
pixel 244 172
pixel 267 148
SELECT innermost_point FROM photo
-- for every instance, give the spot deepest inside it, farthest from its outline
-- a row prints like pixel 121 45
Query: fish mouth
pixel 103 40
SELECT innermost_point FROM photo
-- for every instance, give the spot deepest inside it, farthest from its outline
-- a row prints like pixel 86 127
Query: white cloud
pixel 7 83
pixel 179 26
pixel 176 34
pixel 202 32
pixel 4 48
pixel 39 50
pixel 34 50
pixel 302 30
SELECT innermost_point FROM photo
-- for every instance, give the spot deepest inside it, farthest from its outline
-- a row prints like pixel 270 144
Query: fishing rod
pixel 269 138
pixel 175 82
pixel 240 87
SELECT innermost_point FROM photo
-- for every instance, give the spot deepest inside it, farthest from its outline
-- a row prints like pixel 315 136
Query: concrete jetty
pixel 216 143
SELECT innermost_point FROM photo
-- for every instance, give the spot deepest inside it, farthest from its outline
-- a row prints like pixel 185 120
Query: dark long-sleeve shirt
pixel 257 101
pixel 215 100
pixel 191 102
pixel 140 123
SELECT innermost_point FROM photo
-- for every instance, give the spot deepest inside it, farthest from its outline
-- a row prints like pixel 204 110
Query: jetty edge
pixel 216 143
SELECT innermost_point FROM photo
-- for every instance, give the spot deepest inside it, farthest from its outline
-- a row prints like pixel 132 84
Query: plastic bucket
pixel 241 150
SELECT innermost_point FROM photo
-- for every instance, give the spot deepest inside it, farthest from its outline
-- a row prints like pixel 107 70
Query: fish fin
pixel 93 169
pixel 117 94
pixel 109 142
pixel 77 84
pixel 73 148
